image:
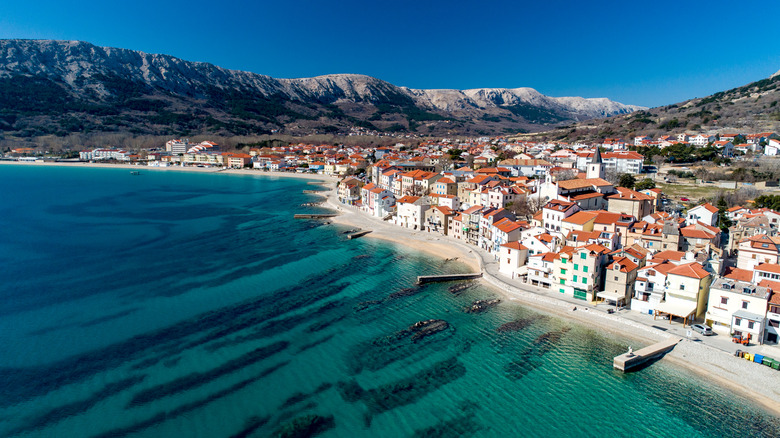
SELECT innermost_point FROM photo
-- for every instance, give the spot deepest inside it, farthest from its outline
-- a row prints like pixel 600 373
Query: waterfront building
pixel 512 260
pixel 619 279
pixel 737 308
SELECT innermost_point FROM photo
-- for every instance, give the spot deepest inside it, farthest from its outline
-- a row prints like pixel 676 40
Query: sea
pixel 178 304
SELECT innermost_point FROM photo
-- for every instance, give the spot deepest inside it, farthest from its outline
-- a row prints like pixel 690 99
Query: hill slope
pixel 754 107
pixel 58 87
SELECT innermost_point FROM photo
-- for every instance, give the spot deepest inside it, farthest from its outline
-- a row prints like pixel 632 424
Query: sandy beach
pixel 714 362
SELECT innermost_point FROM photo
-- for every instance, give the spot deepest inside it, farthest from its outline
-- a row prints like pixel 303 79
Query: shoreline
pixel 710 363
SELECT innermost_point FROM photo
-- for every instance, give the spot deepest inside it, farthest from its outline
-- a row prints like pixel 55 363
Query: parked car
pixel 684 199
pixel 703 329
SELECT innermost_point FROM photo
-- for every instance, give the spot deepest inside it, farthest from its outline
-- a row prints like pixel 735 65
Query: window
pixel 582 255
pixel 576 267
pixel 682 287
pixel 563 281
pixel 616 279
pixel 724 300
pixel 563 271
pixel 744 304
pixel 561 290
pixel 750 324
pixel 584 280
pixel 754 256
pixel 737 321
pixel 563 260
pixel 585 269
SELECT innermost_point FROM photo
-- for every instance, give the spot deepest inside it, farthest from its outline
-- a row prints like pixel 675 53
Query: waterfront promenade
pixel 712 356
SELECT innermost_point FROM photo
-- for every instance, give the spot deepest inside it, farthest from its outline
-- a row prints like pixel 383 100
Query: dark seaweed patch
pixel 406 292
pixel 299 397
pixel 68 410
pixel 322 325
pixel 195 380
pixel 250 426
pixel 383 351
pixel 530 359
pixel 404 391
pixel 462 425
pixel 306 426
pixel 189 407
pixel 520 324
pixel 18 384
pixel 366 304
pixel 84 324
pixel 315 343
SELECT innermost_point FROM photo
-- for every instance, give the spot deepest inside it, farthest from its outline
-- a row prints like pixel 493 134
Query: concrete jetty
pixel 422 279
pixel 314 216
pixel 316 192
pixel 358 234
pixel 627 361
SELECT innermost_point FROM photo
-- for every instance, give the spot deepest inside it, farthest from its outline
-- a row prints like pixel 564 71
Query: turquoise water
pixel 180 304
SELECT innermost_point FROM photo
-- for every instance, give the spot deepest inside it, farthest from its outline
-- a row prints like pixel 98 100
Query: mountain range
pixel 60 87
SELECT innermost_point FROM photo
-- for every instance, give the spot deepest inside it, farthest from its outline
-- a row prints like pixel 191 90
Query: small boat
pixel 135 172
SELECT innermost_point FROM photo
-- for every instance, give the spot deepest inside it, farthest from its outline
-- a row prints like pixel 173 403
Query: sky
pixel 634 52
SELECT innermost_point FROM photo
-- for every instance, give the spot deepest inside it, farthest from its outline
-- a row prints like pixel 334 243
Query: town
pixel 589 222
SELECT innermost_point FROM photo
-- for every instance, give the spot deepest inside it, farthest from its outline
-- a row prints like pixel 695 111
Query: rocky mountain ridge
pixel 120 89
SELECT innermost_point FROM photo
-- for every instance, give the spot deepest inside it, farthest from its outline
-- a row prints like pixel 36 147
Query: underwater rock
pixel 457 289
pixel 482 305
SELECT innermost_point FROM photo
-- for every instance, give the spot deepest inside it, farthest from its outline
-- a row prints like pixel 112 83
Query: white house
pixel 650 286
pixel 410 212
pixel 737 307
pixel 772 147
pixel 705 213
pixel 512 259
pixel 701 139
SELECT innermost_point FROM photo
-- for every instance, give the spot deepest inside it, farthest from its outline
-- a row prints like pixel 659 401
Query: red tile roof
pixel 515 245
pixel 739 274
pixel 691 270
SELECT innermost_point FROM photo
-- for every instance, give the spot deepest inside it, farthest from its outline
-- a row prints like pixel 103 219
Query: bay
pixel 190 304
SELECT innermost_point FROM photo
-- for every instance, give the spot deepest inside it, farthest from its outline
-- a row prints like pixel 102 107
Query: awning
pixel 610 296
pixel 681 309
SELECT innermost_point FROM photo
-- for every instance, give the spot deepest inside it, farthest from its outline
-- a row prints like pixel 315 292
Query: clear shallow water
pixel 177 304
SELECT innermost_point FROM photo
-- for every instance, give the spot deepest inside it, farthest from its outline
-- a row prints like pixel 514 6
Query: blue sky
pixel 643 53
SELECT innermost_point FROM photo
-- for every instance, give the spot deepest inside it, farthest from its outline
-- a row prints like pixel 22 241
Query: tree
pixel 626 180
pixel 723 222
pixel 565 175
pixel 658 160
pixel 645 184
